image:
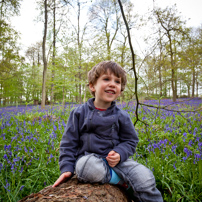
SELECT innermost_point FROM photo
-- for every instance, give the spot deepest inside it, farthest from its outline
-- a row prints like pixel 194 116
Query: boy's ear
pixel 91 86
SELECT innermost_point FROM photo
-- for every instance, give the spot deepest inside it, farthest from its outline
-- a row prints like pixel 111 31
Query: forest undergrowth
pixel 170 145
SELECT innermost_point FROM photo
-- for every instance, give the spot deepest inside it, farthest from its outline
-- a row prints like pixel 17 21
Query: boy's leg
pixel 141 179
pixel 91 168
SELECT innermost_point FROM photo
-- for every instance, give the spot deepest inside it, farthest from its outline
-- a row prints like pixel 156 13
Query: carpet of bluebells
pixel 170 145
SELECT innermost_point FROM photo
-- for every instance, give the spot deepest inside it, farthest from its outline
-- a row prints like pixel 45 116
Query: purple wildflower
pixel 25 149
pixel 7 185
pixel 54 127
pixel 190 143
pixel 5 156
pixel 22 187
pixel 188 152
pixel 184 158
pixel 174 166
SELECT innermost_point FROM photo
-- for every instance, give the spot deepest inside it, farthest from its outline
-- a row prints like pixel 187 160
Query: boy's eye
pixel 106 79
pixel 118 81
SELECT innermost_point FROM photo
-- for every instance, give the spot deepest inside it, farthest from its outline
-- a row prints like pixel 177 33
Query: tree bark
pixel 75 191
pixel 44 56
pixel 79 50
pixel 53 59
pixel 193 81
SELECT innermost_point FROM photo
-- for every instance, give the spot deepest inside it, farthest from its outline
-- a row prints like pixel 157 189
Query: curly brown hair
pixel 102 68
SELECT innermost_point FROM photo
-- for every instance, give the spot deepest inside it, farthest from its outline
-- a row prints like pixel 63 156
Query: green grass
pixel 171 146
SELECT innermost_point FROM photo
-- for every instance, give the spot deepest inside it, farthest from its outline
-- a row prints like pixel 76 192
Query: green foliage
pixel 170 147
pixel 29 160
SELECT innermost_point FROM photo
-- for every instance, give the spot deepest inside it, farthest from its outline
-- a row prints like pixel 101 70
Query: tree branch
pixel 133 59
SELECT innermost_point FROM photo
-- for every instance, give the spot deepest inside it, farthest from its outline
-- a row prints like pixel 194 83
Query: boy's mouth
pixel 110 91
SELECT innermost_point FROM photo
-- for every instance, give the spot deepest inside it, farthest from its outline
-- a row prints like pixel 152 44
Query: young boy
pixel 99 138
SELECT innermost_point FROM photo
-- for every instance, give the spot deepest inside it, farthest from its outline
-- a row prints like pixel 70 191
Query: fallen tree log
pixel 75 191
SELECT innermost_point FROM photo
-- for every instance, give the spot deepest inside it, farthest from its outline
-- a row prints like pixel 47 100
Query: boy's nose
pixel 112 83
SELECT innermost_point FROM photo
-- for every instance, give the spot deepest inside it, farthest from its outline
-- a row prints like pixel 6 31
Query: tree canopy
pixel 79 34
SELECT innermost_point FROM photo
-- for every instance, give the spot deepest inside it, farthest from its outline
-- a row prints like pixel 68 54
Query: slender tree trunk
pixel 160 76
pixel 79 50
pixel 33 76
pixel 53 59
pixel 173 79
pixel 193 81
pixel 63 94
pixel 85 86
pixel 197 89
pixel 44 57
pixel 1 93
pixel 188 90
pixel 123 52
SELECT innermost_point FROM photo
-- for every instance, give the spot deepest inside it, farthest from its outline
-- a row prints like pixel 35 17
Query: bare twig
pixel 136 79
pixel 173 110
pixel 133 59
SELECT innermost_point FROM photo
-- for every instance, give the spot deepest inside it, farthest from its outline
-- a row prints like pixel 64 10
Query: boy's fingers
pixel 111 153
pixel 61 179
pixel 58 181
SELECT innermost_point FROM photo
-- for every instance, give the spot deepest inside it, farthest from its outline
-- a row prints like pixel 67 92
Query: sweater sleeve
pixel 69 144
pixel 128 137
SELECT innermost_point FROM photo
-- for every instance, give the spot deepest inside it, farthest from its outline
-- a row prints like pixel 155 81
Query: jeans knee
pixel 144 177
pixel 90 168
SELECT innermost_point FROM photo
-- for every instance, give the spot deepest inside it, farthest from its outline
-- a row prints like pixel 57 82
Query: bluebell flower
pixel 174 149
pixel 190 143
pixel 54 135
pixel 63 123
pixel 35 139
pixel 25 149
pixel 5 147
pixel 15 160
pixel 21 170
pixel 7 185
pixel 198 156
pixel 1 166
pixel 174 166
pixel 22 187
pixel 55 127
pixel 184 158
pixel 5 156
pixel 188 152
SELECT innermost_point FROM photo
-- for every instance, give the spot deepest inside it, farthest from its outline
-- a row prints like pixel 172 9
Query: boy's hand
pixel 62 178
pixel 113 158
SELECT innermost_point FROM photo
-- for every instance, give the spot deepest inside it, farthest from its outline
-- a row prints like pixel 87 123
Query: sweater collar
pixel 90 103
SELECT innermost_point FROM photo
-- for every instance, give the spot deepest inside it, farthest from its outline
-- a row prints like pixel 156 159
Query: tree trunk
pixel 75 191
pixel 173 71
pixel 53 59
pixel 160 76
pixel 44 57
pixel 193 81
pixel 188 90
pixel 197 89
pixel 79 50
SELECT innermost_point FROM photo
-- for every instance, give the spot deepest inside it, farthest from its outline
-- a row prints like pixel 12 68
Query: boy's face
pixel 107 89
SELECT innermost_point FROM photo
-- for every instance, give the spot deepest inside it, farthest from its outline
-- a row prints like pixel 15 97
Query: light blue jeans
pixel 92 168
